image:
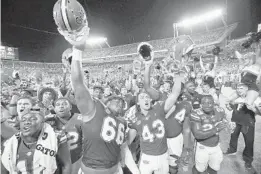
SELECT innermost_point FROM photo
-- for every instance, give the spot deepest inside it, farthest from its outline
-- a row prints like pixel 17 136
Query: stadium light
pixel 96 40
pixel 201 18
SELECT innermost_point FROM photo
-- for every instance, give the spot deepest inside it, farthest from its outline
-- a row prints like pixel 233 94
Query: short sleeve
pixel 130 117
pixel 194 116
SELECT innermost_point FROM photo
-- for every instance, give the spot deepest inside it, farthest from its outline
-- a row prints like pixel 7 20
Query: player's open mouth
pixel 27 128
pixel 61 111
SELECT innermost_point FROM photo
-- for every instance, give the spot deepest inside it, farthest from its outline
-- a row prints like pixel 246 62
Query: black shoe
pixel 250 168
pixel 230 152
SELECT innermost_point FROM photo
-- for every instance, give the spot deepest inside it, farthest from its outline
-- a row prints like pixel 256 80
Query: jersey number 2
pixel 73 138
pixel 110 131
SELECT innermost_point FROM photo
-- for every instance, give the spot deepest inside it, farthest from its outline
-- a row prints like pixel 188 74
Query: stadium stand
pixel 160 46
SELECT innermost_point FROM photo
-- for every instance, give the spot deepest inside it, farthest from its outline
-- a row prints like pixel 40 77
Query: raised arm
pixel 83 97
pixel 154 94
pixel 201 64
pixel 172 98
pixel 215 63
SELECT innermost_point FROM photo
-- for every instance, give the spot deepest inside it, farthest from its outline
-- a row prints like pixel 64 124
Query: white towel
pixel 47 140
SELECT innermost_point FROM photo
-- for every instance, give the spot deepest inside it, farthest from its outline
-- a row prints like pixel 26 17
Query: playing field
pixel 234 164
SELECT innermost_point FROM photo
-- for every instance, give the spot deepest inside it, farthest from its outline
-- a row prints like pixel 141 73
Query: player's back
pixel 174 124
pixel 73 130
pixel 103 136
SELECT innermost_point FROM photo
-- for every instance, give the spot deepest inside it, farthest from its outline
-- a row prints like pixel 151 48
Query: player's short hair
pixel 37 108
pixel 33 101
pixel 206 96
pixel 63 98
pixel 115 97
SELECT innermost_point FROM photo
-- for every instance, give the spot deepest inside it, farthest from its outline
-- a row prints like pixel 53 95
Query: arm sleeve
pixel 201 132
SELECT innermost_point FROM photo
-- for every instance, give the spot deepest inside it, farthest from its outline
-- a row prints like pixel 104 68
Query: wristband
pixel 77 54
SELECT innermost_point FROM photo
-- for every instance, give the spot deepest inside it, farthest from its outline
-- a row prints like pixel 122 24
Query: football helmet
pixel 181 46
pixel 71 21
pixel 69 15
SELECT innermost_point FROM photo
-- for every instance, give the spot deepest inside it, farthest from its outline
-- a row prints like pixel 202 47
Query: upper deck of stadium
pixel 160 46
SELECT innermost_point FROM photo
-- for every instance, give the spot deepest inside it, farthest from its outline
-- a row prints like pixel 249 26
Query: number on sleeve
pixel 45 135
pixel 110 131
pixel 239 106
pixel 199 111
pixel 73 140
pixel 147 135
pixel 180 116
pixel 219 109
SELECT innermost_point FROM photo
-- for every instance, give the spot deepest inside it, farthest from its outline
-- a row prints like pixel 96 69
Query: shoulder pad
pixel 194 116
pixel 79 117
pixel 130 113
pixel 219 109
pixel 18 135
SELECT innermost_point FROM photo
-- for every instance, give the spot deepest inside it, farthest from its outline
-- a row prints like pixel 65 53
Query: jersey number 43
pixel 112 131
pixel 159 132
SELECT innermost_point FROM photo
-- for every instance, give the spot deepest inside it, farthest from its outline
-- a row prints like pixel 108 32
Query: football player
pixel 189 94
pixel 6 130
pixel 148 123
pixel 36 148
pixel 206 123
pixel 178 129
pixel 152 128
pixel 103 130
pixel 71 124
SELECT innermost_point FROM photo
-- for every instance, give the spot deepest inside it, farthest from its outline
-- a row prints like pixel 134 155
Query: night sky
pixel 121 21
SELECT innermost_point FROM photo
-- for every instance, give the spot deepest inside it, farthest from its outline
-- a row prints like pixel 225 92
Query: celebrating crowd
pixel 158 117
pixel 144 117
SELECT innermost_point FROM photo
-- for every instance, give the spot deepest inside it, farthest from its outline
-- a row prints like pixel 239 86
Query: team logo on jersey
pixel 79 117
pixel 29 153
